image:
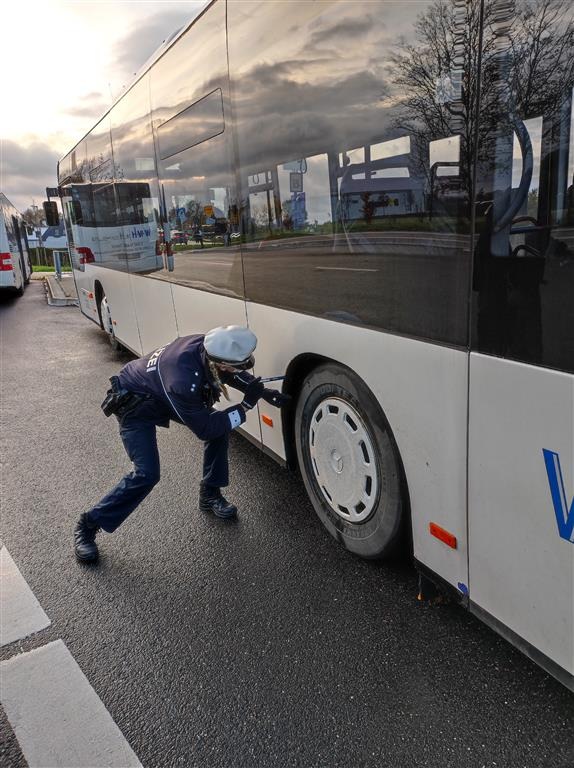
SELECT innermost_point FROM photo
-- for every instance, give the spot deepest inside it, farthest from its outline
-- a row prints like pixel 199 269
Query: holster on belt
pixel 118 400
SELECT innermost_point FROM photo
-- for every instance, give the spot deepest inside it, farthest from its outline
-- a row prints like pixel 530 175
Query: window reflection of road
pixel 375 278
pixel 381 279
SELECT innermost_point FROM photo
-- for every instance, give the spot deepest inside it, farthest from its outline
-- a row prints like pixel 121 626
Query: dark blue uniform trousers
pixel 138 433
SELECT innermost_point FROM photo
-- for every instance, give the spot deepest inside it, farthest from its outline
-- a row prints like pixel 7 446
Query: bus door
pixel 25 251
pixel 73 217
pixel 521 414
pixel 138 212
pixel 113 250
pixel 19 245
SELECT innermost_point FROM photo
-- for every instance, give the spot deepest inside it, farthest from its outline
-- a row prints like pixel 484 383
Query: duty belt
pixel 118 400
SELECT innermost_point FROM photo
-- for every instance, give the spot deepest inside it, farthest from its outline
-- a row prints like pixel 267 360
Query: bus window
pixel 375 229
pixel 291 200
pixel 137 191
pixel 524 259
pixel 196 191
pixel 197 123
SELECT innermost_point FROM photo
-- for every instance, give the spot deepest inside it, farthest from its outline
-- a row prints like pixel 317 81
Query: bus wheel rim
pixel 344 460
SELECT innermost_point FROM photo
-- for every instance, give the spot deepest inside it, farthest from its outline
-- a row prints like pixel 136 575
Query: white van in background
pixel 15 267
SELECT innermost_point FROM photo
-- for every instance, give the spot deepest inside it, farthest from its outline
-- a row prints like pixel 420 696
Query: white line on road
pixel 57 716
pixel 209 262
pixel 20 612
pixel 344 269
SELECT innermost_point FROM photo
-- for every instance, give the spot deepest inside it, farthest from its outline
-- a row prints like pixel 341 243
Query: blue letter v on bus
pixel 564 514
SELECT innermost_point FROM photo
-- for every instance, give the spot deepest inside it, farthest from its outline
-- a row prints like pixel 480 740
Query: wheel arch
pixel 297 370
pixel 99 294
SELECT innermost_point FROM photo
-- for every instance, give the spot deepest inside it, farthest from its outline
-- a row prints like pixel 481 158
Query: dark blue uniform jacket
pixel 177 376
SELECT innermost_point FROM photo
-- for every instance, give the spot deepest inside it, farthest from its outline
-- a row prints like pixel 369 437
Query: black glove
pixel 240 380
pixel 253 392
pixel 276 398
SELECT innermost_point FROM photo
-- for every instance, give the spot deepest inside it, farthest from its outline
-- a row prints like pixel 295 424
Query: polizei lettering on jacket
pixel 153 358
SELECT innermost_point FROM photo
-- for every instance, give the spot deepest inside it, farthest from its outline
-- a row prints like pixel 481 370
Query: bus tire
pixel 26 279
pixel 350 462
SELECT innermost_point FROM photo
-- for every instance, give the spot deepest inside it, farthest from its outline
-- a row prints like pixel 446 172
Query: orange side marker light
pixel 448 538
pixel 267 420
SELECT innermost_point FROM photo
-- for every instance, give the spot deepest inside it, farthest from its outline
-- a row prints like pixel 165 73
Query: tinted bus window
pixel 198 191
pixel 523 281
pixel 199 122
pixel 136 184
pixel 355 152
pixel 99 152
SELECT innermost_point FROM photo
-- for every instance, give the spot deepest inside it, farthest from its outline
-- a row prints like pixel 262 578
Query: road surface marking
pixel 20 612
pixel 209 261
pixel 345 269
pixel 57 716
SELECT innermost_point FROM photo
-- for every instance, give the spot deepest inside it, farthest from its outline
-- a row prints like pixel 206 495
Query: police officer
pixel 180 381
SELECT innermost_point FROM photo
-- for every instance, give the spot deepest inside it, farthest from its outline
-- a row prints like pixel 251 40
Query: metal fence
pixel 45 257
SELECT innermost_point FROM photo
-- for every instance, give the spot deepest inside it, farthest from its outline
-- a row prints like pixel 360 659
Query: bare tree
pixel 525 57
pixel 33 217
pixel 542 55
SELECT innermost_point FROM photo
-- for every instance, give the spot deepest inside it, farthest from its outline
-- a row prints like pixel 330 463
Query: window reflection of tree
pixel 527 71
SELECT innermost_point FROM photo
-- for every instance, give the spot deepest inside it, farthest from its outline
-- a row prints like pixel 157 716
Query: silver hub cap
pixel 107 317
pixel 343 460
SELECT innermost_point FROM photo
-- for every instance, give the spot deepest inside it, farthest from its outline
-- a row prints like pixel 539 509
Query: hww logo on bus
pixel 139 233
pixel 564 513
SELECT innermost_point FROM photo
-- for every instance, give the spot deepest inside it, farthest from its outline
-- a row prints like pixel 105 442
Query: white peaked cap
pixel 230 343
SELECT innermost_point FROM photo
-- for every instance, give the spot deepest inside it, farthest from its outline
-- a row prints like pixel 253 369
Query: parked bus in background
pixel 385 196
pixel 15 267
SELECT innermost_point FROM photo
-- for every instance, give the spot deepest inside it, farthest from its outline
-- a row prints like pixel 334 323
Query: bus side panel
pixel 521 513
pixel 422 389
pixel 12 278
pixel 115 284
pixel 154 308
pixel 7 277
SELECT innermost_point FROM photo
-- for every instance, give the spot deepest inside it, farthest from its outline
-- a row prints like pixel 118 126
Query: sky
pixel 64 63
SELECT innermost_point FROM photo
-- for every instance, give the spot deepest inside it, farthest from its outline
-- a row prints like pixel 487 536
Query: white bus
pixel 383 192
pixel 15 267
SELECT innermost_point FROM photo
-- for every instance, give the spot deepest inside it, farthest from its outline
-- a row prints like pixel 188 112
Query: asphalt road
pixel 259 643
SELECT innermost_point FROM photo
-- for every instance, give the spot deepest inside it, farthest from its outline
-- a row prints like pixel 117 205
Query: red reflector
pixel 267 420
pixel 86 255
pixel 448 538
pixel 90 295
pixel 6 262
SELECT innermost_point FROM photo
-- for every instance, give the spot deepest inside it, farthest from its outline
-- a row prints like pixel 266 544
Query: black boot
pixel 211 500
pixel 85 545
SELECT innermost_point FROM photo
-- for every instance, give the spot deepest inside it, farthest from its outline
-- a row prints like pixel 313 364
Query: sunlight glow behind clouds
pixel 66 62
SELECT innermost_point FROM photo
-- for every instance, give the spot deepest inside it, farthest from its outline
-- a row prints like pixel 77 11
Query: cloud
pixel 29 169
pixel 132 51
pixel 342 30
pixel 290 119
pixel 91 105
